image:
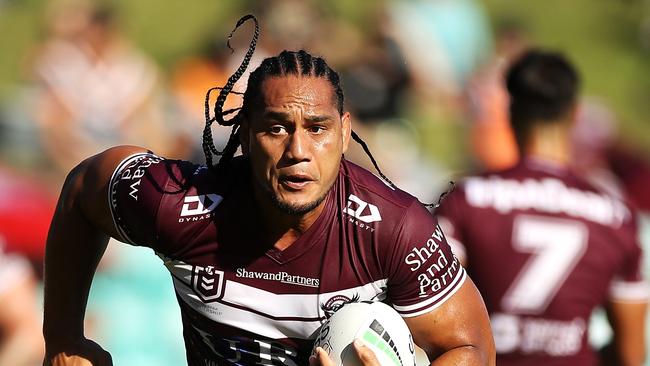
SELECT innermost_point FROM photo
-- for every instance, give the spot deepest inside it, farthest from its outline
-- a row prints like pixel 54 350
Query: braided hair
pixel 299 63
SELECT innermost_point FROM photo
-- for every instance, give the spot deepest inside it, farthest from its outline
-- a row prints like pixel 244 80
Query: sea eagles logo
pixel 357 209
pixel 207 283
pixel 336 302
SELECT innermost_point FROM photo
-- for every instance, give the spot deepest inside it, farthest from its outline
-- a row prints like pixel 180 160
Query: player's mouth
pixel 295 182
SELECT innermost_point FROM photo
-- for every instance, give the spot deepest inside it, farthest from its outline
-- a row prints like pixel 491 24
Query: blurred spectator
pixel 290 24
pixel 491 138
pixel 191 78
pixel 633 171
pixel 395 145
pixel 96 89
pixel 443 40
pixel 377 83
pixel 26 210
pixel 592 137
pixel 21 342
pixel 608 162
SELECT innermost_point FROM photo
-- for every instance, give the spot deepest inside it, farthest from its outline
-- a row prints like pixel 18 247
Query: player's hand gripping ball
pixel 376 325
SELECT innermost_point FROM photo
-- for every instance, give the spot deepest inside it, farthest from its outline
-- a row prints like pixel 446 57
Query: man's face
pixel 295 140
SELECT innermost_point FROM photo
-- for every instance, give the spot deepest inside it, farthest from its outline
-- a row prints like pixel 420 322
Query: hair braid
pixel 221 99
pixel 208 143
pixel 231 147
pixel 372 159
pixel 366 149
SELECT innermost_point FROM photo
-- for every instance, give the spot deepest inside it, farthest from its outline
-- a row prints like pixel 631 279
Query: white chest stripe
pixel 266 313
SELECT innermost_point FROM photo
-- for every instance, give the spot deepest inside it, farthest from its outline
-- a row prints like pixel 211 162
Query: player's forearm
pixel 466 355
pixel 74 248
pixel 628 321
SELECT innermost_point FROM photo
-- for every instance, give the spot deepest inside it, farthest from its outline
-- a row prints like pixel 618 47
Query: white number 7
pixel 556 246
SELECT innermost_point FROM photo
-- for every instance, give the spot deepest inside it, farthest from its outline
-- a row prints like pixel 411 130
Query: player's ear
pixel 346 130
pixel 244 137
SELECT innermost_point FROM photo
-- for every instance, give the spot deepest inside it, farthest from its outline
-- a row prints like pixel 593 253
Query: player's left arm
pixel 628 302
pixel 457 332
pixel 432 292
pixel 627 320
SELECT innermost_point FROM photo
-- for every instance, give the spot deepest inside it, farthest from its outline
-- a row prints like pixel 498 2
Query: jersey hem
pixel 420 308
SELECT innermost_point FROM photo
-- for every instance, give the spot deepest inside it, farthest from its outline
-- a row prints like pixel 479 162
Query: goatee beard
pixel 295 210
pixel 287 208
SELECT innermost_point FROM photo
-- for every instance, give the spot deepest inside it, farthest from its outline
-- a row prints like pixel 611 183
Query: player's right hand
pixel 365 354
pixel 82 353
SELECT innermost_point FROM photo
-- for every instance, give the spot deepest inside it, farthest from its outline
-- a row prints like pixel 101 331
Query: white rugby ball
pixel 377 325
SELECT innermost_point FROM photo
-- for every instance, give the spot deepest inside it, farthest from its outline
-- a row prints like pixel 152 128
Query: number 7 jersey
pixel 544 248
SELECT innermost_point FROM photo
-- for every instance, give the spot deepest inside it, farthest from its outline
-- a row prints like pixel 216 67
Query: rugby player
pixel 544 246
pixel 262 248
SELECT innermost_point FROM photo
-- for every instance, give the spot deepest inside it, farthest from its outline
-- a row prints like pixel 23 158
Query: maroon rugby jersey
pixel 243 302
pixel 544 248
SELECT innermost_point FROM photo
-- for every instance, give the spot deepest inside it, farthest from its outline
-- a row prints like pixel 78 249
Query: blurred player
pixel 545 247
pixel 26 209
pixel 20 340
pixel 263 247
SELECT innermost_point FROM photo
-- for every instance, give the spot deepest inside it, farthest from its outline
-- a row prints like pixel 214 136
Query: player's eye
pixel 316 129
pixel 277 129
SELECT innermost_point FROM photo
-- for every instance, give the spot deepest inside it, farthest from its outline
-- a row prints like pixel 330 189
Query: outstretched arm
pixel 76 241
pixel 458 332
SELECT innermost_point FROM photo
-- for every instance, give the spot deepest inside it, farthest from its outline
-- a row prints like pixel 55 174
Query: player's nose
pixel 297 148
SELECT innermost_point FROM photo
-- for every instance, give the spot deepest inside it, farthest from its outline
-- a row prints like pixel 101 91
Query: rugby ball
pixel 375 324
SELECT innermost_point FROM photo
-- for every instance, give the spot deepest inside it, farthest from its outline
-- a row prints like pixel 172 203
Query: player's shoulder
pixel 172 175
pixel 148 194
pixel 526 176
pixel 543 187
pixel 366 183
pixel 366 189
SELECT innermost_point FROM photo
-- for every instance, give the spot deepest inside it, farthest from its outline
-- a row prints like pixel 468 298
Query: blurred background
pixel 422 79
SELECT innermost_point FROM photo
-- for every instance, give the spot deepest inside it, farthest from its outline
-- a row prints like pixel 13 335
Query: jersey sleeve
pixel 629 284
pixel 423 272
pixel 135 192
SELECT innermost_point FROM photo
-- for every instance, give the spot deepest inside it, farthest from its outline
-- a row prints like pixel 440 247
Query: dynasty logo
pixel 199 207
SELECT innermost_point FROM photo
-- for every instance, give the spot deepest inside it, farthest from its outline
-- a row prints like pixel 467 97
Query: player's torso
pixel 243 302
pixel 555 242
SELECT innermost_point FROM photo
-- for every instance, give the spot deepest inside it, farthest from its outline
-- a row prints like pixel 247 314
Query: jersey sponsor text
pixel 537 335
pixel 283 277
pixel 546 195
